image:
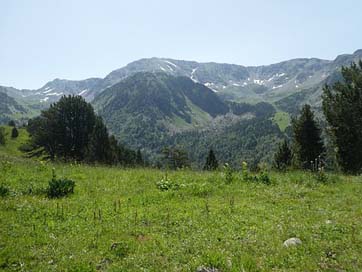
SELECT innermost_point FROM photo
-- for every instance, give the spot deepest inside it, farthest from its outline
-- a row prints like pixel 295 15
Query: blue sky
pixel 75 39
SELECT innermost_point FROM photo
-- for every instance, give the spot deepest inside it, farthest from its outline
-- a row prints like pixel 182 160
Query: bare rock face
pixel 292 242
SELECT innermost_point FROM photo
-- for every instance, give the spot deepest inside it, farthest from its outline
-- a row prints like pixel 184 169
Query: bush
pixel 228 172
pixel 14 133
pixel 60 187
pixel 165 185
pixel 4 191
pixel 2 136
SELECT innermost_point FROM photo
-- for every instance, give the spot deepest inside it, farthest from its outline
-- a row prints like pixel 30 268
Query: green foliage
pixel 14 133
pixel 60 187
pixel 11 123
pixel 342 106
pixel 283 157
pixel 228 173
pixel 4 190
pixel 2 136
pixel 116 221
pixel 211 161
pixel 166 184
pixel 308 144
pixel 70 130
pixel 175 158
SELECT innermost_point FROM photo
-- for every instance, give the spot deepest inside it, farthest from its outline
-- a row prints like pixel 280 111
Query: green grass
pixel 282 119
pixel 118 220
pixel 12 145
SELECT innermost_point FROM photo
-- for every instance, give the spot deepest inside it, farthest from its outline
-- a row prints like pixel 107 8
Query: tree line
pixel 342 108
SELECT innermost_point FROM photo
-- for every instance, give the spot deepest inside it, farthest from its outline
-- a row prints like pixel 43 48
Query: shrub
pixel 165 185
pixel 14 133
pixel 2 136
pixel 4 191
pixel 60 187
pixel 228 172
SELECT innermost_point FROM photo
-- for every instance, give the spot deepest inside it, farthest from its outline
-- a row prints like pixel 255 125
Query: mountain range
pixel 155 102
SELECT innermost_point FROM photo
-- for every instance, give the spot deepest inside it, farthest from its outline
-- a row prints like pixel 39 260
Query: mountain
pixel 153 110
pixel 9 107
pixel 269 83
pixel 148 105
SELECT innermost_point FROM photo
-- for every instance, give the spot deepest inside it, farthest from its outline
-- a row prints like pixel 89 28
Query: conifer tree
pixel 2 136
pixel 308 144
pixel 14 133
pixel 342 107
pixel 211 161
pixel 139 159
pixel 283 157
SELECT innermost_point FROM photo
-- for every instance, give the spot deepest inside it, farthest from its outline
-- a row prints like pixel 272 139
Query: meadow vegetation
pixel 121 219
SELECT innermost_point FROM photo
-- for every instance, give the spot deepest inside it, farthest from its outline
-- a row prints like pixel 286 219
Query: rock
pixel 207 269
pixel 292 242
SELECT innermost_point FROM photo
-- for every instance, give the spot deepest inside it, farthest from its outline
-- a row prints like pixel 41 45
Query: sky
pixel 41 40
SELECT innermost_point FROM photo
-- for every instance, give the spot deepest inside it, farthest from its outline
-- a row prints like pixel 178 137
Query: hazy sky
pixel 75 39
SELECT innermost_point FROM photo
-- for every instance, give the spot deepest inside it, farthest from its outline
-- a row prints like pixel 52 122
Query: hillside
pixel 119 220
pixel 154 110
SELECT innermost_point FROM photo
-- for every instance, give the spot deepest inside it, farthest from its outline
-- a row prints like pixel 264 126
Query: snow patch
pixel 276 87
pixel 83 92
pixel 192 76
pixel 169 67
pixel 259 81
pixel 56 94
pixel 47 90
pixel 169 62
pixel 44 99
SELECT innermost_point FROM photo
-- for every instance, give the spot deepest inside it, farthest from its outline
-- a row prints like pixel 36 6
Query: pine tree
pixel 342 107
pixel 211 161
pixel 2 136
pixel 139 159
pixel 283 157
pixel 11 123
pixel 98 146
pixel 307 144
pixel 14 133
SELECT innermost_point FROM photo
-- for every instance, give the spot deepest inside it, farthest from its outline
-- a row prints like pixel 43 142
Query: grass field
pixel 119 220
pixel 282 119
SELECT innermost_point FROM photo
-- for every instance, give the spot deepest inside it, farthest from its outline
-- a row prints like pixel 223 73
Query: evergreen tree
pixel 283 157
pixel 342 107
pixel 99 146
pixel 11 123
pixel 2 136
pixel 307 144
pixel 175 158
pixel 211 161
pixel 139 159
pixel 64 129
pixel 14 133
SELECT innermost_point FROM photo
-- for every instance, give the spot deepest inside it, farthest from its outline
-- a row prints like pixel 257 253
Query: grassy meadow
pixel 119 220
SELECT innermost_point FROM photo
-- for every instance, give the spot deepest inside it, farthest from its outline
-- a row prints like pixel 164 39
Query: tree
pixel 342 107
pixel 307 144
pixel 11 123
pixel 283 157
pixel 139 159
pixel 65 128
pixel 2 136
pixel 175 158
pixel 14 133
pixel 211 161
pixel 99 145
